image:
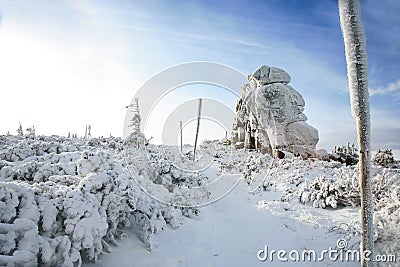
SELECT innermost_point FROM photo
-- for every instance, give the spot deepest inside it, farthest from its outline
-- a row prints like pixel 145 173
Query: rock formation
pixel 269 115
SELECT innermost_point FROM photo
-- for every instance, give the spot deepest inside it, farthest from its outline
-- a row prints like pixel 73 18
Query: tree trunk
pixel 357 72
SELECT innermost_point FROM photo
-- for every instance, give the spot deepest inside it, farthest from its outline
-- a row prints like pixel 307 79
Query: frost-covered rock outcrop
pixel 269 115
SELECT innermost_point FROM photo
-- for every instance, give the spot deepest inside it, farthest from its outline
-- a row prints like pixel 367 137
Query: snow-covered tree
pixel 31 132
pixel 384 158
pixel 20 131
pixel 357 72
pixel 89 135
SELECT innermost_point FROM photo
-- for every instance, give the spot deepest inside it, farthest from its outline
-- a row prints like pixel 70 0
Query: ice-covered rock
pixel 267 75
pixel 322 154
pixel 269 115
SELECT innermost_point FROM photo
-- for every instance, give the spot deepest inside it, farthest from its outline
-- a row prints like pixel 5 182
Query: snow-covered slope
pixel 231 231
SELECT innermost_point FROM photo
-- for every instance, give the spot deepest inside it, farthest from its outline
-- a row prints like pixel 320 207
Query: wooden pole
pixel 357 71
pixel 197 130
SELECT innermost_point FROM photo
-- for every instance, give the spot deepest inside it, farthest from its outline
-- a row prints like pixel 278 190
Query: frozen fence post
pixel 357 73
pixel 197 130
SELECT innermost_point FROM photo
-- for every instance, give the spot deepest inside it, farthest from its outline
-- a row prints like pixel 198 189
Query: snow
pixel 269 115
pixel 230 232
pixel 68 201
pixel 76 203
pixel 356 55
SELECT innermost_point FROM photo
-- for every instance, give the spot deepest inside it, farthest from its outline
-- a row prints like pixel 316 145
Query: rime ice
pixel 269 115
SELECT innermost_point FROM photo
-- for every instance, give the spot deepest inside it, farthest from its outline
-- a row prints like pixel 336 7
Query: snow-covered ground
pixel 95 202
pixel 232 230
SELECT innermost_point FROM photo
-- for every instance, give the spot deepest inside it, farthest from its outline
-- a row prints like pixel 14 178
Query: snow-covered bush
pixel 238 160
pixel 175 170
pixel 332 184
pixel 387 222
pixel 63 200
pixel 335 192
pixel 341 188
pixel 384 158
pixel 313 181
pixel 160 179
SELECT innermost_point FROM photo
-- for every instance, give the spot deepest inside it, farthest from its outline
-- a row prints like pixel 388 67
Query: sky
pixel 66 64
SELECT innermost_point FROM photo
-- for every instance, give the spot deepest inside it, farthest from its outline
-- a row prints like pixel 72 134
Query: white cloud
pixel 393 87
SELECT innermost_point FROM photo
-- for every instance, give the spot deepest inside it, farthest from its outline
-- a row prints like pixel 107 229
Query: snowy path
pixel 230 232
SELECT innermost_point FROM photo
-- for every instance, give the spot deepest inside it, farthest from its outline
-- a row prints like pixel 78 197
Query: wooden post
pixel 197 130
pixel 357 72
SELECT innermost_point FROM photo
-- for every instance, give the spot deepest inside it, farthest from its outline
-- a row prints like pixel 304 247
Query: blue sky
pixel 66 64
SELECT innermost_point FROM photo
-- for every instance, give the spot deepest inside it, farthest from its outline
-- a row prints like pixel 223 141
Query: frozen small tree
pixel 384 158
pixel 31 132
pixel 20 131
pixel 86 129
pixel 89 134
pixel 136 118
pixel 357 72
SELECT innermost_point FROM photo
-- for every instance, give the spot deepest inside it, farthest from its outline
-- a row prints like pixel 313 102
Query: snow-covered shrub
pixel 335 192
pixel 40 168
pixel 79 196
pixel 319 182
pixel 165 166
pixel 332 184
pixel 237 159
pixel 18 225
pixel 262 172
pixel 387 222
pixel 343 187
pixel 384 158
pixel 158 177
pixel 386 192
pixel 95 161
